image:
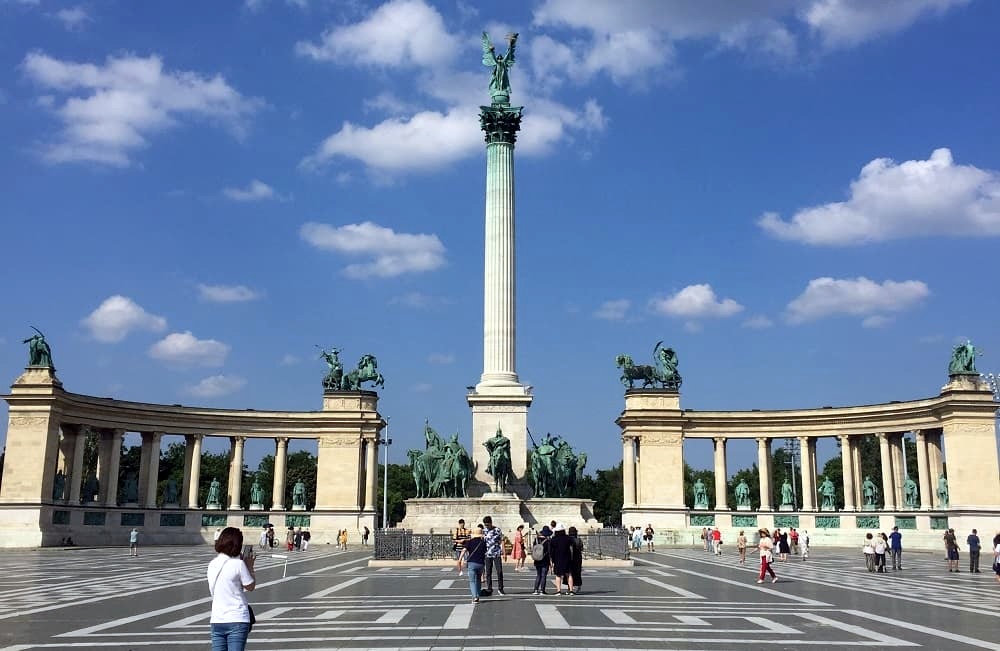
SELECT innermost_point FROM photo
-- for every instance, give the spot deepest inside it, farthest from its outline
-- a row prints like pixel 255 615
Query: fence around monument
pixel 404 545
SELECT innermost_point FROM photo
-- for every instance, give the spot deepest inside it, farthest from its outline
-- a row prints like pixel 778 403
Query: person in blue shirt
pixel 974 549
pixel 896 548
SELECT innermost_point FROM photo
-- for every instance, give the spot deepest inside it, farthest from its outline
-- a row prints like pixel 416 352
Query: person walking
pixel 494 555
pixel 869 551
pixel 306 537
pixel 230 576
pixel 460 535
pixel 133 542
pixel 342 539
pixel 804 544
pixel 271 543
pixel 974 548
pixel 297 539
pixel 766 547
pixel 365 534
pixel 561 550
pixel 637 538
pixel 576 565
pixel 896 549
pixel 705 537
pixel 741 547
pixel 793 537
pixel 782 544
pixel 290 538
pixel 717 541
pixel 951 545
pixel 542 559
pixel 263 538
pixel 648 537
pixel 881 544
pixel 472 558
pixel 996 556
pixel 518 551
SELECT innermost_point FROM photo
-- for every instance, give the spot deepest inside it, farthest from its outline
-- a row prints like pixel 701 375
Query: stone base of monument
pixel 298 507
pixel 743 507
pixel 256 507
pixel 870 507
pixel 828 508
pixel 213 507
pixel 786 507
pixel 131 505
pixel 441 515
pixel 172 505
pixel 700 507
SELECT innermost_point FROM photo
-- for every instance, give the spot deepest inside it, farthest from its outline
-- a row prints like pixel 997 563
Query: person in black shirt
pixel 561 550
pixel 473 557
pixel 576 565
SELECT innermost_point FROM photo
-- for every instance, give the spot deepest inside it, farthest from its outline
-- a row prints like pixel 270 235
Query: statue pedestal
pixel 831 509
pixel 786 507
pixel 256 507
pixel 213 507
pixel 172 505
pixel 441 514
pixel 131 505
pixel 743 507
pixel 298 507
pixel 869 507
pixel 700 507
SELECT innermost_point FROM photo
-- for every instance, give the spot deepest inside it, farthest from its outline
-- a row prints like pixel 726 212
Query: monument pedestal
pixel 786 507
pixel 298 507
pixel 256 507
pixel 743 507
pixel 213 507
pixel 441 515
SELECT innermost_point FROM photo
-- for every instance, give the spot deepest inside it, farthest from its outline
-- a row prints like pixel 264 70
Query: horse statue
pixel 454 472
pixel 367 371
pixel 544 467
pixel 632 372
pixel 419 472
pixel 663 373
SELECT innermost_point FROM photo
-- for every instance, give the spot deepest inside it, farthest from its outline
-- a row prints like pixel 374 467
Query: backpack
pixel 538 551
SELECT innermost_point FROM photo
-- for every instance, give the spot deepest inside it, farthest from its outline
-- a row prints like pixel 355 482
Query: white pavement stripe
pixel 618 616
pixel 551 617
pixel 954 637
pixel 773 626
pixel 691 620
pixel 444 584
pixel 187 621
pixel 329 614
pixel 336 588
pixel 393 616
pixel 460 617
pixel 679 591
pixel 662 573
pixel 271 613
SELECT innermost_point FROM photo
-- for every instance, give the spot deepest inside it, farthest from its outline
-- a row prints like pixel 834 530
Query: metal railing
pixel 404 545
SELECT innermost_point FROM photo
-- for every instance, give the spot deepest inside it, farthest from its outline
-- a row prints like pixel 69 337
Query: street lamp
pixel 386 442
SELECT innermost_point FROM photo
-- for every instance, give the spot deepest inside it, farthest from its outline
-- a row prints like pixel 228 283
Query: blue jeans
pixel 231 636
pixel 475 571
pixel 541 573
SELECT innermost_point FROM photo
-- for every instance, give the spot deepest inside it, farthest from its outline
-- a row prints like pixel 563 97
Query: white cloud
pixel 441 358
pixel 215 386
pixel 613 310
pixel 256 191
pixel 109 111
pixel 860 296
pixel 255 6
pixel 876 321
pixel 892 201
pixel 183 348
pixel 695 302
pixel 227 293
pixel 392 253
pixel 400 33
pixel 758 322
pixel 119 315
pixel 845 23
pixel 290 360
pixel 73 18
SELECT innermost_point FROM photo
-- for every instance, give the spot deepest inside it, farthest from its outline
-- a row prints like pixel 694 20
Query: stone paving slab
pixel 329 599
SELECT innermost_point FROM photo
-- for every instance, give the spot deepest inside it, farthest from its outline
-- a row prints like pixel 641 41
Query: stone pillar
pixel 858 479
pixel 720 473
pixel 236 472
pixel 194 477
pixel 114 459
pixel 807 464
pixel 888 485
pixel 75 475
pixel 153 474
pixel 847 463
pixel 188 456
pixel 64 460
pixel 371 473
pixel 897 451
pixel 280 465
pixel 764 470
pixel 967 417
pixel 142 480
pixel 923 471
pixel 628 471
pixel 103 466
pixel 934 463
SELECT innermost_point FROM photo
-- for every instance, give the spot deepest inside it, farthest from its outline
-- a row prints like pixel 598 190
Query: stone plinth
pixel 743 507
pixel 786 507
pixel 256 507
pixel 506 408
pixel 213 507
pixel 441 514
pixel 298 507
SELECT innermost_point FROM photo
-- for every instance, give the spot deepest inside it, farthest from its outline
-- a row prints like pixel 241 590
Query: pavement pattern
pixel 330 599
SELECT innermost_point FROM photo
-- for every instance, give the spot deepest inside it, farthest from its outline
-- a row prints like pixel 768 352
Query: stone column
pixel 628 471
pixel 114 458
pixel 280 465
pixel 858 479
pixel 153 475
pixel 720 473
pixel 188 455
pixel 934 462
pixel 236 472
pixel 75 476
pixel 847 463
pixel 923 471
pixel 371 473
pixel 764 470
pixel 888 485
pixel 103 466
pixel 896 449
pixel 808 468
pixel 194 478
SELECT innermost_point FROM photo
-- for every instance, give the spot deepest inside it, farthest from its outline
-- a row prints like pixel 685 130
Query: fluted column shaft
pixel 280 464
pixel 236 473
pixel 194 478
pixel 934 463
pixel 628 471
pixel 896 449
pixel 371 473
pixel 76 473
pixel 847 466
pixel 114 457
pixel 858 478
pixel 153 474
pixel 888 486
pixel 808 469
pixel 720 473
pixel 923 471
pixel 764 471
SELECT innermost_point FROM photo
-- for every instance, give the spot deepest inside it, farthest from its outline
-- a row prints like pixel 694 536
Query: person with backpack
pixel 576 565
pixel 541 558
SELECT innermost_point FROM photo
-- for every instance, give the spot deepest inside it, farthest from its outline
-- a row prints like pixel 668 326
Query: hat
pixel 546 531
pixel 560 527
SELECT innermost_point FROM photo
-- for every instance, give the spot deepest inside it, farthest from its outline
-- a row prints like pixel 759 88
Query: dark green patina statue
pixel 555 468
pixel 664 373
pixel 963 360
pixel 500 467
pixel 441 469
pixel 336 380
pixel 500 81
pixel 39 353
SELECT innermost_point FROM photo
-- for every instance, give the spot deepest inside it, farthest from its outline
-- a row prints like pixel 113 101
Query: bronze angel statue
pixel 500 83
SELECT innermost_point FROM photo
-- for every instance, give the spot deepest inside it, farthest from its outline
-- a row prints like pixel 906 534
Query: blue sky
pixel 802 198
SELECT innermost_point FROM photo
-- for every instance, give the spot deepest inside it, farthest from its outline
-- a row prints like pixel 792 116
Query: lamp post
pixel 386 442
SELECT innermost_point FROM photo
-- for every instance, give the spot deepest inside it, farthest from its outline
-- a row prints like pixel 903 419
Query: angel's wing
pixel 489 56
pixel 509 57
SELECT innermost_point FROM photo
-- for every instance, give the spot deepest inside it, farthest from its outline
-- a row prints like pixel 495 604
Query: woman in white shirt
pixel 766 558
pixel 230 575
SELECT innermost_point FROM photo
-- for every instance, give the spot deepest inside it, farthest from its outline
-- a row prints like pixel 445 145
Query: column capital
pixel 500 122
pixel 882 436
pixel 844 438
pixel 920 434
pixel 282 441
pixel 720 439
pixel 763 440
pixel 803 438
pixel 238 440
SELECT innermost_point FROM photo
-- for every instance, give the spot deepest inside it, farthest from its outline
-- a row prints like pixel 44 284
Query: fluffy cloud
pixel 860 296
pixel 256 191
pixel 111 110
pixel 73 18
pixel 119 315
pixel 758 322
pixel 183 348
pixel 441 358
pixel 844 23
pixel 227 293
pixel 403 33
pixel 613 310
pixel 696 302
pixel 215 386
pixel 392 253
pixel 890 201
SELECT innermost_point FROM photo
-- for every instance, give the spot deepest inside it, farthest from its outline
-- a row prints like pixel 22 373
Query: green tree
pixel 752 477
pixel 606 489
pixel 707 477
pixel 213 466
pixel 301 466
pixel 401 487
pixel 128 464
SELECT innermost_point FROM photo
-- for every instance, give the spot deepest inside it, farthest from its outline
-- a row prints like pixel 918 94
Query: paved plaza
pixel 672 599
